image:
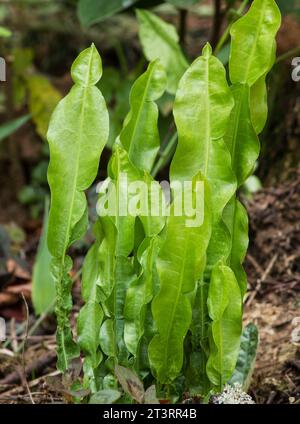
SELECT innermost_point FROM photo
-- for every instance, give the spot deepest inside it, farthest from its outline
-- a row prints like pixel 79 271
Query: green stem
pixel 226 33
pixel 165 155
pixel 288 54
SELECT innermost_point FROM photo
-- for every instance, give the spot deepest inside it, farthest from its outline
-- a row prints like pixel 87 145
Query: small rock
pixel 233 395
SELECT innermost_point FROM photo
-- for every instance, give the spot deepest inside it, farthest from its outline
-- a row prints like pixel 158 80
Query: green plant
pixel 10 127
pixel 93 11
pixel 162 298
pixel 43 288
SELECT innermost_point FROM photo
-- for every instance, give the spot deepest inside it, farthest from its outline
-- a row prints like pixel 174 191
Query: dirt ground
pixel 273 302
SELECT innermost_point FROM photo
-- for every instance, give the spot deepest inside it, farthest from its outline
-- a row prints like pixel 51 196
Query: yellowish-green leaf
pixel 180 265
pixel 251 38
pixel 77 135
pixel 43 98
pixel 225 311
pixel 160 41
pixel 140 135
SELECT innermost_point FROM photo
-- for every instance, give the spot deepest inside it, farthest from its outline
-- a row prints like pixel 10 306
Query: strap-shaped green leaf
pixel 236 219
pixel 135 201
pixel 241 138
pixel 180 265
pixel 258 98
pixel 132 159
pixel 77 135
pixel 112 330
pixel 225 311
pixel 43 288
pixel 140 135
pixel 248 117
pixel 251 38
pixel 88 325
pixel 96 285
pixel 202 108
pixel 140 294
pixel 160 41
pixel 196 373
pixel 139 144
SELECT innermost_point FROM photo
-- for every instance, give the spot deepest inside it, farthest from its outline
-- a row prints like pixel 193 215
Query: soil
pixel 273 301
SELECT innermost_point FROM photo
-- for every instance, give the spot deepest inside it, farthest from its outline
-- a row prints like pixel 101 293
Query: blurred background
pixel 39 39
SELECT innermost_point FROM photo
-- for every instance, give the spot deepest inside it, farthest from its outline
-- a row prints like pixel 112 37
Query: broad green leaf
pixel 241 139
pixel 180 265
pixel 140 136
pixel 251 38
pixel 246 359
pixel 43 286
pixel 77 134
pixel 43 98
pixel 202 108
pixel 10 127
pixel 93 11
pixel 105 397
pixel 160 41
pixel 88 325
pixel 225 311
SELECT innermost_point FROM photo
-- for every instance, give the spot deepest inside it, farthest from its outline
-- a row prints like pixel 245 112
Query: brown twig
pixel 183 13
pixel 261 280
pixel 35 366
pixel 31 384
pixel 23 349
pixel 217 23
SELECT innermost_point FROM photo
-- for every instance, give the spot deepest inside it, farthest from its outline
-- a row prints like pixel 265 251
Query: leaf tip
pixel 207 50
pixel 87 67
